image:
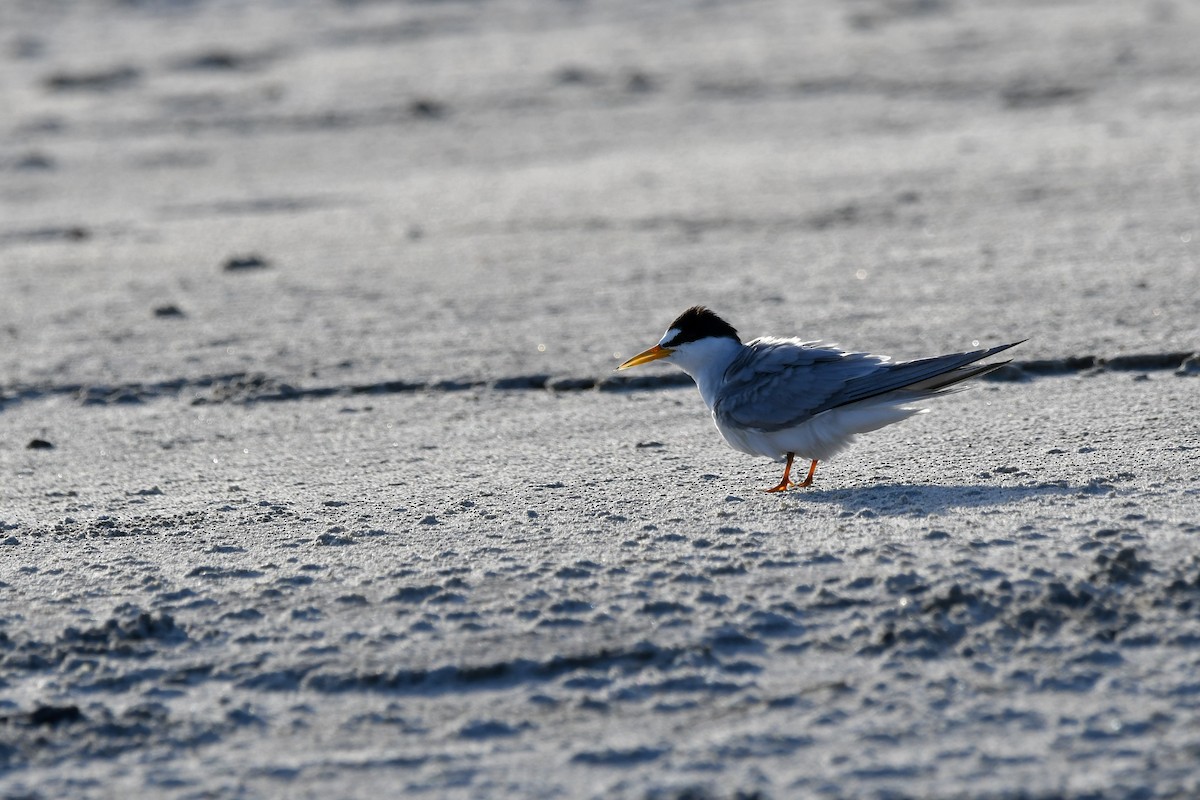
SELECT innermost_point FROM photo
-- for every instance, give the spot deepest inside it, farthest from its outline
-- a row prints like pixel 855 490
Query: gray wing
pixel 778 384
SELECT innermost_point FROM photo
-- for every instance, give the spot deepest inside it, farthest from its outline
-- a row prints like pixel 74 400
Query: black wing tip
pixel 962 367
pixel 979 355
pixel 991 351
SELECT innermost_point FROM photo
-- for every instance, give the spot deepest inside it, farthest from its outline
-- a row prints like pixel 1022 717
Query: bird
pixel 784 397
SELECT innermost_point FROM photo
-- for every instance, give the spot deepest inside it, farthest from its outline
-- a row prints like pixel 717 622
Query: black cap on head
pixel 699 323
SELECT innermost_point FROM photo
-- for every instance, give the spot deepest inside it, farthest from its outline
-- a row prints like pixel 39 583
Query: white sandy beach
pixel 370 515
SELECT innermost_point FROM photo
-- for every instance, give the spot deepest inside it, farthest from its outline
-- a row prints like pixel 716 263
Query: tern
pixel 783 398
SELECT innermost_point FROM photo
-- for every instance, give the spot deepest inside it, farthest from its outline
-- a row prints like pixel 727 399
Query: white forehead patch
pixel 668 336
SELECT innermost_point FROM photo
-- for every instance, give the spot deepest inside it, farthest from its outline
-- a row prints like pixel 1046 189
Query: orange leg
pixel 787 470
pixel 785 484
pixel 812 470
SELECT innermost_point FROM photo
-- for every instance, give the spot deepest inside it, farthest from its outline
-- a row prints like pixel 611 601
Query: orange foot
pixel 785 484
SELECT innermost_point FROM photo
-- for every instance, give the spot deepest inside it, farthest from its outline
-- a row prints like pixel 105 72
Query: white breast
pixel 822 436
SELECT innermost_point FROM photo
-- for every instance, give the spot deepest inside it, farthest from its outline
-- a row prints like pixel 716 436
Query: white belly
pixel 820 437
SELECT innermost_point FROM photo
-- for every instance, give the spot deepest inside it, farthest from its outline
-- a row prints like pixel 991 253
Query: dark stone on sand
pixel 845 214
pixel 169 311
pixel 218 60
pixel 427 108
pixel 34 161
pixel 252 261
pixel 639 83
pixel 215 60
pixel 1028 94
pixel 39 444
pixel 74 233
pixel 575 75
pixel 98 81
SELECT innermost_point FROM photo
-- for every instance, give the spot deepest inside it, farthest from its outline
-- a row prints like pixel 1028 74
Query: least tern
pixel 783 398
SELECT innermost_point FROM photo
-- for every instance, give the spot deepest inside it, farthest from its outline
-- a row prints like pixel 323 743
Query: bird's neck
pixel 706 361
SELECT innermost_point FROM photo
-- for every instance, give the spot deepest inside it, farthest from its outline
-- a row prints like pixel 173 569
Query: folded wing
pixel 780 383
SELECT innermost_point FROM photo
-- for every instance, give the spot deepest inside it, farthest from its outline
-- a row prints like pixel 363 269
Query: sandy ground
pixel 313 308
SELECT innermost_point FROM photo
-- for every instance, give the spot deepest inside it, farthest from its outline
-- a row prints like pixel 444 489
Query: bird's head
pixel 689 340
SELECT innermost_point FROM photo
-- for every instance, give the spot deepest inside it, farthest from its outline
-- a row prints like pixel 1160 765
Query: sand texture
pixel 316 479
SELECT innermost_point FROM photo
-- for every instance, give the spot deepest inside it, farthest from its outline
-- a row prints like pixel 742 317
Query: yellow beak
pixel 646 356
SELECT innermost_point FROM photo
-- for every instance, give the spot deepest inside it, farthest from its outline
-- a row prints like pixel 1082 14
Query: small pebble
pixel 251 261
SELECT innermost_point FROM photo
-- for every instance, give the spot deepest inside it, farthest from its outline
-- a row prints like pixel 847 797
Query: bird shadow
pixel 907 499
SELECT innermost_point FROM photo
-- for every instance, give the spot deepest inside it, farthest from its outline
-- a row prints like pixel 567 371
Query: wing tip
pixel 1000 348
